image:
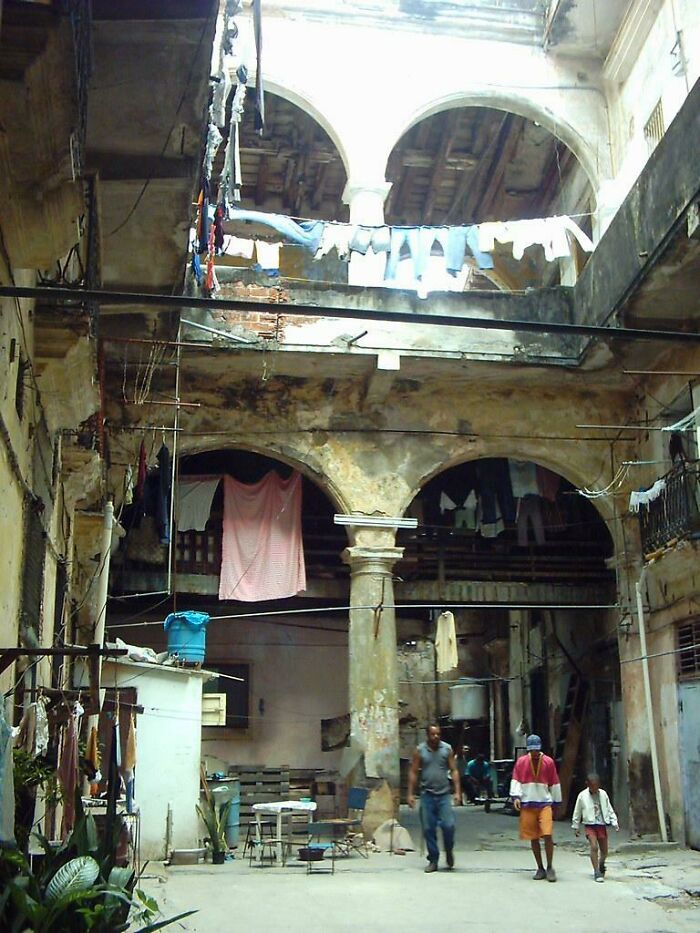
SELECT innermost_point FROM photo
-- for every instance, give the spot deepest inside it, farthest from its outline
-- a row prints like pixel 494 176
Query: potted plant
pixel 215 821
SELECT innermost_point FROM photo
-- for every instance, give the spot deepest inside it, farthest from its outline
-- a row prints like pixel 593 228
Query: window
pixel 654 128
pixel 237 693
pixel 689 650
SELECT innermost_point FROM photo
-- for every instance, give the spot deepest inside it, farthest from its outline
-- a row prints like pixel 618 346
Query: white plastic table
pixel 277 809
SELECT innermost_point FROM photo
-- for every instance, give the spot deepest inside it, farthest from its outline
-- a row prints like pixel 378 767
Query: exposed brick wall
pixel 265 324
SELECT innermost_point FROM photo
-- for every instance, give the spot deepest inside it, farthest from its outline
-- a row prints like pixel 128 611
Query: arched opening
pixel 295 168
pixel 289 653
pixel 469 165
pixel 521 560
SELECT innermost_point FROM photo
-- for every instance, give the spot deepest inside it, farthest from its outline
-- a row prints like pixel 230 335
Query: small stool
pixel 267 828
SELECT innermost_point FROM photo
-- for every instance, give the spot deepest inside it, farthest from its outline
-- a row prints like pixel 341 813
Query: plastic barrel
pixel 233 821
pixel 187 635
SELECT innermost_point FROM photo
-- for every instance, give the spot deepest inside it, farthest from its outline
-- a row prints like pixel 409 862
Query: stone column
pixel 366 203
pixel 374 690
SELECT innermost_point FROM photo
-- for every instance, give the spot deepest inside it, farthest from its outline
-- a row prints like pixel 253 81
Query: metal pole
pixel 103 297
pixel 173 475
pixel 649 707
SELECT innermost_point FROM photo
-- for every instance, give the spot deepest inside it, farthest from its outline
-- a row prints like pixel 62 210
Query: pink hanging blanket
pixel 262 551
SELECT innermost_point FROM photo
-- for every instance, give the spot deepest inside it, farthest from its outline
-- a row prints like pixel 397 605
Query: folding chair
pixel 353 839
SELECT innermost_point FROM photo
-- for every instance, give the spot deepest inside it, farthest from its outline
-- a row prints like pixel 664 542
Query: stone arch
pixel 284 453
pixel 566 469
pixel 520 105
pixel 283 89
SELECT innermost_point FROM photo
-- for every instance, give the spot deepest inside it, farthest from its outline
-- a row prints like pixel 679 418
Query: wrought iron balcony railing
pixel 675 513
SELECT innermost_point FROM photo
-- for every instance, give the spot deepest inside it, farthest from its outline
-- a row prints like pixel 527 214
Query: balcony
pixel 674 515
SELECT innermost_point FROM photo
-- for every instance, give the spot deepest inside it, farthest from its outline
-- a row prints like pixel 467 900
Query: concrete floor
pixel 490 889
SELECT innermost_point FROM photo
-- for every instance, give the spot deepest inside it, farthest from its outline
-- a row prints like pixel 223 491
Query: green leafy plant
pixel 75 887
pixel 215 821
pixel 31 774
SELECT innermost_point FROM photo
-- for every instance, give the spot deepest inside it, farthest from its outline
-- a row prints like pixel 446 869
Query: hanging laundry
pixel 446 643
pixel 67 769
pixel 163 502
pixel 548 483
pixel 194 498
pixel 268 257
pixel 197 268
pixel 262 548
pixel 33 735
pixel 259 93
pixel 128 485
pixel 523 478
pixel 401 237
pixel 235 246
pixel 446 504
pixel 92 756
pixel 643 497
pixel 7 785
pixel 214 140
pixel 361 240
pixel 129 764
pixel 203 218
pixel 466 517
pixel 549 232
pixel 219 228
pixel 529 511
pixel 141 473
pixel 335 237
pixel 308 233
pixel 459 240
pixel 496 493
pixel 381 239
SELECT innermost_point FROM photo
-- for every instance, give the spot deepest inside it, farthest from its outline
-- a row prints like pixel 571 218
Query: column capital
pixel 376 560
pixel 354 188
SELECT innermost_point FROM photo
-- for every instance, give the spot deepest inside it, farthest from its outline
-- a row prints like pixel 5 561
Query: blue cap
pixel 534 743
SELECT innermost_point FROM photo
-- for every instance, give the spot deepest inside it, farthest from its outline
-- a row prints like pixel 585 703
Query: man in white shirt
pixel 594 810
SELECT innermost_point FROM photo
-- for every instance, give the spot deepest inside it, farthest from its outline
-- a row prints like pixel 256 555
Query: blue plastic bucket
pixel 187 634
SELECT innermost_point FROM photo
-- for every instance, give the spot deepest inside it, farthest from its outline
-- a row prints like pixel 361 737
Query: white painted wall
pixel 366 86
pixel 168 736
pixel 652 78
pixel 301 675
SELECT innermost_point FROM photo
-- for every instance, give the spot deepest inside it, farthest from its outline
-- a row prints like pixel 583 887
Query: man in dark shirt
pixel 436 762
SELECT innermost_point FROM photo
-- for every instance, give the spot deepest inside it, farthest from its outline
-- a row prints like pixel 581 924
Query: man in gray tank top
pixel 436 762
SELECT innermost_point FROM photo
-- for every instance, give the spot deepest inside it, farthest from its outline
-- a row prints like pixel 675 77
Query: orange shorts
pixel 535 822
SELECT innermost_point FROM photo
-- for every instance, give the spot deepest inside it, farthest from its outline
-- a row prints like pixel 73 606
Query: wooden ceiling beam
pixel 261 183
pixel 503 156
pixel 469 185
pixel 447 141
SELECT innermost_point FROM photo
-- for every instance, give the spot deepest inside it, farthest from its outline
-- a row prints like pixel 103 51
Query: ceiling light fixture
pixel 375 521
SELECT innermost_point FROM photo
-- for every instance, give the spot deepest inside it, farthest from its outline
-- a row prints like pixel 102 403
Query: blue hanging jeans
pixel 436 810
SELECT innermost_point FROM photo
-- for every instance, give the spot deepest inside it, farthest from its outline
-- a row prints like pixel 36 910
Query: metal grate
pixel 655 128
pixel 689 649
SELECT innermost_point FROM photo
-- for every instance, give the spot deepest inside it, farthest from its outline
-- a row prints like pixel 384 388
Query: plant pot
pixel 218 858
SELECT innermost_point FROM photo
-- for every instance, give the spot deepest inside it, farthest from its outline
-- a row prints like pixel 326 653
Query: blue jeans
pixel 436 810
pixel 307 234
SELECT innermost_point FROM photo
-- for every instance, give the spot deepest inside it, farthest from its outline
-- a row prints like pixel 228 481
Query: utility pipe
pixel 649 707
pixel 50 294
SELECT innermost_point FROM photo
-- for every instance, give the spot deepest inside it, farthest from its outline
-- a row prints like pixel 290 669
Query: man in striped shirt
pixel 536 791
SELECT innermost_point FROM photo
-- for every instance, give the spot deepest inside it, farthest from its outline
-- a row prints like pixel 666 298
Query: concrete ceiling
pixel 147 107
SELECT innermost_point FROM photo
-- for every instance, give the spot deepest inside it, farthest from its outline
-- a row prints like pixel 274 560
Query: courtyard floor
pixel 646 889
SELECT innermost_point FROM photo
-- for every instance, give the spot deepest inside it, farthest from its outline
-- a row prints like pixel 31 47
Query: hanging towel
pixel 194 498
pixel 548 483
pixel 262 548
pixel 268 256
pixel 446 643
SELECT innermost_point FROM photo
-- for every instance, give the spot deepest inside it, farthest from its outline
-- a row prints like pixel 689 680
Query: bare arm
pixel 413 778
pixel 455 778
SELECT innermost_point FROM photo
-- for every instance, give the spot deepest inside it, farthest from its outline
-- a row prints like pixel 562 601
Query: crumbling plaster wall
pixel 377 460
